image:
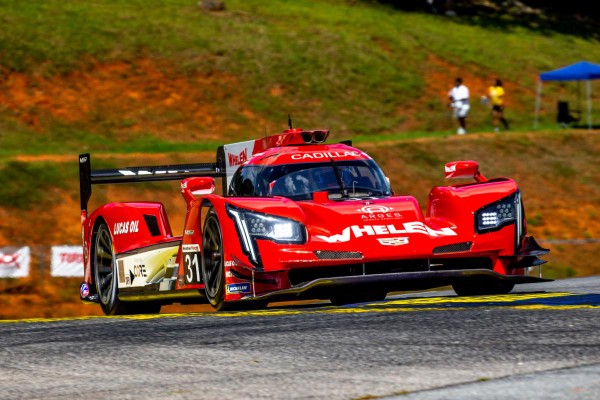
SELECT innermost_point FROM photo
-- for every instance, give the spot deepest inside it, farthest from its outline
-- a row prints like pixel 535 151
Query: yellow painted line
pixel 506 298
pixel 400 305
pixel 557 307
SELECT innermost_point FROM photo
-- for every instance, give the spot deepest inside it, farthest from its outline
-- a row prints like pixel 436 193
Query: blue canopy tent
pixel 581 71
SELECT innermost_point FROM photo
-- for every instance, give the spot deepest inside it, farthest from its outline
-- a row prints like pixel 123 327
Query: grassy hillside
pixel 130 75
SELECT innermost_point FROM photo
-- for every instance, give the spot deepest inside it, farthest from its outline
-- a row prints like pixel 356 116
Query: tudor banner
pixel 14 262
pixel 67 261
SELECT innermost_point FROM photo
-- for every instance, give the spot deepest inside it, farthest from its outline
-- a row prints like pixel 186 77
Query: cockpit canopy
pixel 341 179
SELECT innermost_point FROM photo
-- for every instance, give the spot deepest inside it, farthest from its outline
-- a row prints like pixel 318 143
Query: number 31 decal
pixel 191 263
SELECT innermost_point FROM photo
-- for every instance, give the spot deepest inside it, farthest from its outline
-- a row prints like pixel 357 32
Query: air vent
pixel 453 248
pixel 338 255
pixel 152 224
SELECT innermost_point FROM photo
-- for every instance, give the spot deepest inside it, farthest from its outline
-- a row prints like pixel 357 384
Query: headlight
pixel 498 214
pixel 252 225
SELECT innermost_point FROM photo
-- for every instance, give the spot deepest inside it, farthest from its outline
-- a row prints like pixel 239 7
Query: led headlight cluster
pixel 496 215
pixel 252 225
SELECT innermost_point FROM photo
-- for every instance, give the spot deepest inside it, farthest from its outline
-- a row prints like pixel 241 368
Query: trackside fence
pixel 60 261
pixel 67 260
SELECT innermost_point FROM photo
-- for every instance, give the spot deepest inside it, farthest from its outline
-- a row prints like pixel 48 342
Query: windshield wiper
pixel 338 175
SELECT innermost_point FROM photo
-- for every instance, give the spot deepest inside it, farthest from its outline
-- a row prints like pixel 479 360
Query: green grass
pixel 29 185
pixel 349 66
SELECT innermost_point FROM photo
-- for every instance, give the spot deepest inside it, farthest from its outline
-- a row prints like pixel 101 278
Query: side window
pixel 242 183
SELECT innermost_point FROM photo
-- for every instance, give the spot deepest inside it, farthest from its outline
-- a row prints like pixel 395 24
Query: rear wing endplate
pixel 89 176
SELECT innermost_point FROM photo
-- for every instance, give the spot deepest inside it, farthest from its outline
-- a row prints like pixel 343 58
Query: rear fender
pixel 131 225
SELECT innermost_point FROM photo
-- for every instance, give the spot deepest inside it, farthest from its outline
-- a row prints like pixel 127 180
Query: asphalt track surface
pixel 540 342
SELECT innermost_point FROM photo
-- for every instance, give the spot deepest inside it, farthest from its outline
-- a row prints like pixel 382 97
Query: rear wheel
pixel 105 273
pixel 105 276
pixel 482 288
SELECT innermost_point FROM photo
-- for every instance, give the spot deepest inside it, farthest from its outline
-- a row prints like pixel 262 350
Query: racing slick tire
pixel 469 288
pixel 105 267
pixel 213 274
pixel 368 297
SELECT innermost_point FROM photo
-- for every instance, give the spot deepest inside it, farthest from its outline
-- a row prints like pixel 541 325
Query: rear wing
pixel 229 157
pixel 89 176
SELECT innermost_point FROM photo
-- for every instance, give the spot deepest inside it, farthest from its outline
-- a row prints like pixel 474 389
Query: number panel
pixel 191 266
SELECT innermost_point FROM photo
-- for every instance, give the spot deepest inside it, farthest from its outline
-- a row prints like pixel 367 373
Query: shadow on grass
pixel 577 17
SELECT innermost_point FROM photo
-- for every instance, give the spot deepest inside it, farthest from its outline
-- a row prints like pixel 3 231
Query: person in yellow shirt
pixel 496 95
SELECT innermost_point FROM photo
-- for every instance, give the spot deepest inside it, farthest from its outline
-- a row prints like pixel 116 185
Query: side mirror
pixel 464 169
pixel 197 186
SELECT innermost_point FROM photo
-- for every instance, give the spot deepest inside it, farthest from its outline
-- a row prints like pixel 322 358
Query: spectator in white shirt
pixel 459 101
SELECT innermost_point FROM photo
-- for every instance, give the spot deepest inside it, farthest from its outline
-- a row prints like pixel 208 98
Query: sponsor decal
pixel 326 155
pixel 451 168
pixel 10 260
pixel 66 261
pixel 14 262
pixel 395 241
pixel 83 160
pixel 70 258
pixel 84 290
pixel 147 267
pixel 377 212
pixel 234 153
pixel 371 217
pixel 127 172
pixel 189 232
pixel 228 274
pixel 230 263
pixel 138 271
pixel 122 228
pixel 190 248
pixel 238 288
pixel 374 209
pixel 237 159
pixel 383 230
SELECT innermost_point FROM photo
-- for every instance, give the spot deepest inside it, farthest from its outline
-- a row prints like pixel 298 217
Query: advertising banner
pixel 14 262
pixel 67 261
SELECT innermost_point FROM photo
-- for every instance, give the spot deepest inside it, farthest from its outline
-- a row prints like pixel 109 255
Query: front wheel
pixel 212 261
pixel 213 274
pixel 482 288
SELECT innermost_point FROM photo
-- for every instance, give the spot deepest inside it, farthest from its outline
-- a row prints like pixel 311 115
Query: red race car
pixel 299 219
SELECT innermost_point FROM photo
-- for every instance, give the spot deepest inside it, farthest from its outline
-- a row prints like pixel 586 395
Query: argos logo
pixel 373 209
pixel 378 212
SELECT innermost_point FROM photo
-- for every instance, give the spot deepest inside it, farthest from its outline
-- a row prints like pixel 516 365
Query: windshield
pixel 344 179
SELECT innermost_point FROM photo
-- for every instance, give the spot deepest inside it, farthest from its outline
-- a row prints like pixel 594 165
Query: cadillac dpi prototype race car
pixel 299 219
